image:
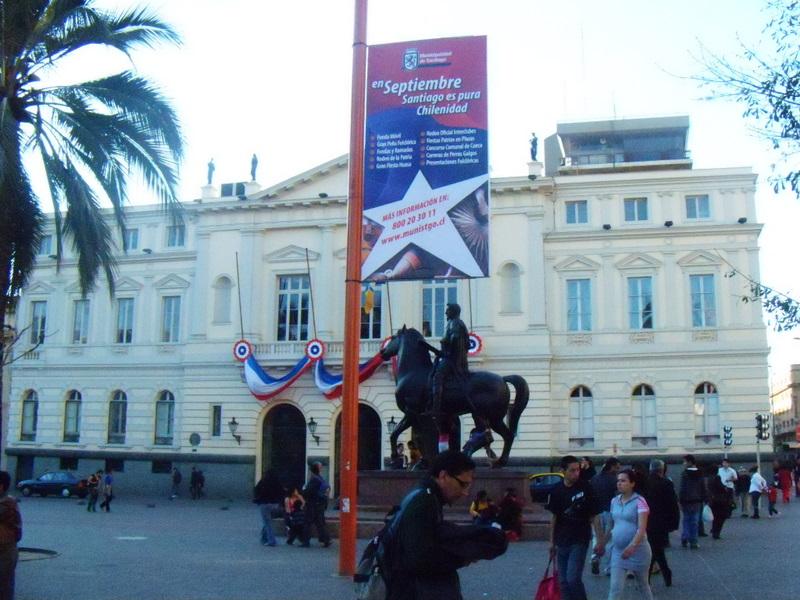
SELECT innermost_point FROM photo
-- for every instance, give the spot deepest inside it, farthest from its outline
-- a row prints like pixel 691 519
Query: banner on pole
pixel 426 171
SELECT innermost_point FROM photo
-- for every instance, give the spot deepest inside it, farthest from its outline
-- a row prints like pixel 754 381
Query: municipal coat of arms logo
pixel 411 59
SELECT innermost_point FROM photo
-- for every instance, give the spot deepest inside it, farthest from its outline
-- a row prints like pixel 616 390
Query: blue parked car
pixel 541 484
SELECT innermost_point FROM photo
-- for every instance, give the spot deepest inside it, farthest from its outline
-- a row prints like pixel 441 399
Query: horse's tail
pixel 520 401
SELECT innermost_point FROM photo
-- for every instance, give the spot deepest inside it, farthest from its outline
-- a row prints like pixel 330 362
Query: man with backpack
pixel 422 552
pixel 316 492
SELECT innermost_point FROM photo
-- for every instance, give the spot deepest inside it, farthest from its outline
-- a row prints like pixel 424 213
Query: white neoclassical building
pixel 608 294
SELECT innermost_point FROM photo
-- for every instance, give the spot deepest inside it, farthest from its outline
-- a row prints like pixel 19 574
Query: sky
pixel 273 78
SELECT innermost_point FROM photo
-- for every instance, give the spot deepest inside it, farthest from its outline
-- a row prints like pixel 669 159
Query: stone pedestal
pixel 251 187
pixel 209 192
pixel 535 169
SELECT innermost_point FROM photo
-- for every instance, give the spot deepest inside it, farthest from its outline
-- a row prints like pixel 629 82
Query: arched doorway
pixel 369 442
pixel 283 444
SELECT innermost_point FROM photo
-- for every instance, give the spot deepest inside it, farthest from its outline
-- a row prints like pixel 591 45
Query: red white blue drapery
pixel 265 387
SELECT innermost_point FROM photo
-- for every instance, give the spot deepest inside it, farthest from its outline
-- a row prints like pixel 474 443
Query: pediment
pixel 638 261
pixel 290 253
pixel 577 263
pixel 39 287
pixel 700 258
pixel 172 282
pixel 126 284
pixel 73 288
pixel 328 180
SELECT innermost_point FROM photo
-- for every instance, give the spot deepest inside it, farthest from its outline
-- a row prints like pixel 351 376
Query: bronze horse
pixel 488 392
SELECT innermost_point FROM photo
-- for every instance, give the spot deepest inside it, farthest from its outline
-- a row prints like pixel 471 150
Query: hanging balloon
pixel 242 350
pixel 315 349
pixel 475 344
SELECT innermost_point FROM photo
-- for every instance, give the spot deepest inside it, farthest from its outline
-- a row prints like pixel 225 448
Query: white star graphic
pixel 438 234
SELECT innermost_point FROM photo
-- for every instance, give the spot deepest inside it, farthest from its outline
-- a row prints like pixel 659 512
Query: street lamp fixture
pixel 391 425
pixel 233 426
pixel 312 428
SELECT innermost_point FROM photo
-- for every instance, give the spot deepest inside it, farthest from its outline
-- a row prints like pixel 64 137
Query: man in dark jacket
pixel 664 516
pixel 692 495
pixel 604 486
pixel 316 493
pixel 422 567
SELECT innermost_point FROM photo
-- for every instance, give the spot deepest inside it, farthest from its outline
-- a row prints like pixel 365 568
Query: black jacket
pixel 604 486
pixel 693 487
pixel 664 512
pixel 422 568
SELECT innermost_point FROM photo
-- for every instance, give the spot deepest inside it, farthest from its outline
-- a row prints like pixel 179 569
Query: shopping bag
pixel 708 515
pixel 548 587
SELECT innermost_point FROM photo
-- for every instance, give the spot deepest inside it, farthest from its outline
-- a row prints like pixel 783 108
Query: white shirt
pixel 727 475
pixel 758 483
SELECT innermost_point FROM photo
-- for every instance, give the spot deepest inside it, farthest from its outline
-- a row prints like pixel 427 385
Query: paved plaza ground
pixel 152 549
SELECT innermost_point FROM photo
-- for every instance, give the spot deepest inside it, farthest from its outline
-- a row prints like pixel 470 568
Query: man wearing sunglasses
pixel 422 564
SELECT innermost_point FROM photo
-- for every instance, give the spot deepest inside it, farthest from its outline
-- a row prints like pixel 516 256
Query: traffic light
pixel 762 426
pixel 727 436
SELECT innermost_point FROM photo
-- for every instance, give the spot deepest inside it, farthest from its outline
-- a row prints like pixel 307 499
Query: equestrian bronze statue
pixel 483 394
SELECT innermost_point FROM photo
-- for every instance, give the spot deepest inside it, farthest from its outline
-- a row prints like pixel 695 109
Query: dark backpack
pixel 373 573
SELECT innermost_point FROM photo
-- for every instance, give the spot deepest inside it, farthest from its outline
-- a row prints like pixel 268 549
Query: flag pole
pixel 348 467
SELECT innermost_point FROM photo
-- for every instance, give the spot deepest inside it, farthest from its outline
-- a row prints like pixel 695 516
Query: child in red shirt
pixel 772 497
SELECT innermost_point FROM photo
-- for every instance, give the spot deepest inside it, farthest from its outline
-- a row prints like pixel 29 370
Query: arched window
pixel 706 410
pixel 510 300
pixel 643 409
pixel 117 417
pixel 30 416
pixel 72 417
pixel 581 416
pixel 222 300
pixel 165 416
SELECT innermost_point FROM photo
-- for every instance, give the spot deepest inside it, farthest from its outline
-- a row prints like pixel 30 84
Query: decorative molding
pixel 699 258
pixel 579 339
pixel 291 253
pixel 704 335
pixel 126 284
pixel 577 263
pixel 642 337
pixel 172 282
pixel 39 287
pixel 638 260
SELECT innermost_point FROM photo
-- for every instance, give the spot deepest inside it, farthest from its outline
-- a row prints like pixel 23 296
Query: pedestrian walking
pixel 692 496
pixel 176 482
pixel 630 550
pixel 425 550
pixel 664 516
pixel 721 499
pixel 784 476
pixel 295 516
pixel 194 483
pixel 10 534
pixel 316 492
pixel 92 484
pixel 604 486
pixel 728 475
pixel 772 499
pixel 269 495
pixel 743 492
pixel 575 511
pixel 106 490
pixel 758 486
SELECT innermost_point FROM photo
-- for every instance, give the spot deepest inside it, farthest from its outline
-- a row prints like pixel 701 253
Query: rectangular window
pixel 115 464
pixel 176 236
pixel 80 322
pixel 581 418
pixel 131 237
pixel 30 418
pixel 697 207
pixel 577 212
pixel 644 417
pixel 704 311
pixel 635 209
pixel 161 466
pixel 68 463
pixel 706 415
pixel 72 420
pixel 293 308
pixel 165 415
pixel 370 312
pixel 38 322
pixel 45 246
pixel 436 295
pixel 579 305
pixel 216 420
pixel 171 319
pixel 125 320
pixel 640 302
pixel 117 421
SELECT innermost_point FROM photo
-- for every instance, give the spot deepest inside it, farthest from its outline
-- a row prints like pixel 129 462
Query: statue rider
pixel 451 363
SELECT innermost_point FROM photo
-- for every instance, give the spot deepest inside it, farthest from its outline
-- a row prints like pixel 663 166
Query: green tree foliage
pixel 766 81
pixel 90 137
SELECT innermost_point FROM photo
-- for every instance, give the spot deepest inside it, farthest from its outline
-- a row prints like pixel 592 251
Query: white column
pixel 535 276
pixel 323 287
pixel 199 291
pixel 249 255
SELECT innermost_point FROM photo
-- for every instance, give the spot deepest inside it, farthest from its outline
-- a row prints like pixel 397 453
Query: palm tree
pixel 88 136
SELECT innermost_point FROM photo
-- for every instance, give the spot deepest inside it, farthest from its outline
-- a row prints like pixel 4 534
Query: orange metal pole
pixel 348 513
